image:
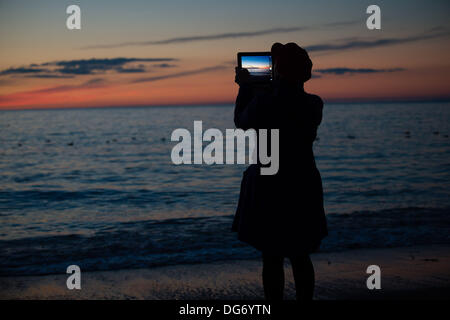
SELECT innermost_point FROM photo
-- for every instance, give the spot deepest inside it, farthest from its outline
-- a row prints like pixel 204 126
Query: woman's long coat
pixel 282 213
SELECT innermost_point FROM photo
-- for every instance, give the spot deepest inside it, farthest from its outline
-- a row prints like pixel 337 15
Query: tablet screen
pixel 260 66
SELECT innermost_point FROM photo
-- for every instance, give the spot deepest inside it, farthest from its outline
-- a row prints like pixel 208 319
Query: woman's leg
pixel 273 276
pixel 303 270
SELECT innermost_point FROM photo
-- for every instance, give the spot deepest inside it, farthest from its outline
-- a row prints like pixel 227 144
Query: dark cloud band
pixel 69 68
pixel 230 35
pixel 219 36
pixel 342 71
pixel 365 44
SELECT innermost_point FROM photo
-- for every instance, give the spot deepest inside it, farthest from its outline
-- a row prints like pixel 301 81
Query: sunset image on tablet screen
pixel 258 65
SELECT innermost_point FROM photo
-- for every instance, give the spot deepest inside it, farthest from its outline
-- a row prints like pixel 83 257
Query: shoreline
pixel 418 272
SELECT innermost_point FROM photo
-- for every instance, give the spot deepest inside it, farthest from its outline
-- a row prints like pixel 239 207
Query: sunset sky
pixel 259 63
pixel 144 53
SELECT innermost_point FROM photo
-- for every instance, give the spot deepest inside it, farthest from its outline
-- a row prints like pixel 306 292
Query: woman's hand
pixel 242 76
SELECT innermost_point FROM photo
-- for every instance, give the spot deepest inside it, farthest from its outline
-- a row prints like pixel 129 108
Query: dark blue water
pixel 97 188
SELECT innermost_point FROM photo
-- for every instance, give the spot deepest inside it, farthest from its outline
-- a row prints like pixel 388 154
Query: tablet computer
pixel 258 64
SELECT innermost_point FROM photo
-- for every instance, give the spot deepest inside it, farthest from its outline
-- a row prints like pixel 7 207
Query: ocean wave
pixel 143 244
pixel 23 199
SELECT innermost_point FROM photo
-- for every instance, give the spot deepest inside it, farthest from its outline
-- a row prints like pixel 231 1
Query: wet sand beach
pixel 421 272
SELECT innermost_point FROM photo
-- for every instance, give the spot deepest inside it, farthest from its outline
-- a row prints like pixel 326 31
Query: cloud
pixel 50 76
pixel 341 71
pixel 218 36
pixel 22 70
pixel 94 82
pixel 363 44
pixel 130 70
pixel 71 68
pixel 91 84
pixel 180 74
pixel 230 35
pixel 164 65
pixel 343 44
pixel 101 65
pixel 101 83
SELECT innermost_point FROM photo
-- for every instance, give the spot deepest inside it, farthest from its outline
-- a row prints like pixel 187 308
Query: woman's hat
pixel 292 61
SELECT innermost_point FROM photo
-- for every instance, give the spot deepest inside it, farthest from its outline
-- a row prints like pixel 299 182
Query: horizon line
pixel 231 103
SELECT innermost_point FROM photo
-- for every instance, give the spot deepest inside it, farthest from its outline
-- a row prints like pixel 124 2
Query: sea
pixel 97 187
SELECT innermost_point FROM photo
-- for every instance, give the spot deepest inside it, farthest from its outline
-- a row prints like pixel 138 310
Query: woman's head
pixel 291 62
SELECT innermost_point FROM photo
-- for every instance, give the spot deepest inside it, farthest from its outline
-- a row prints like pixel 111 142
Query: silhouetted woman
pixel 282 215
